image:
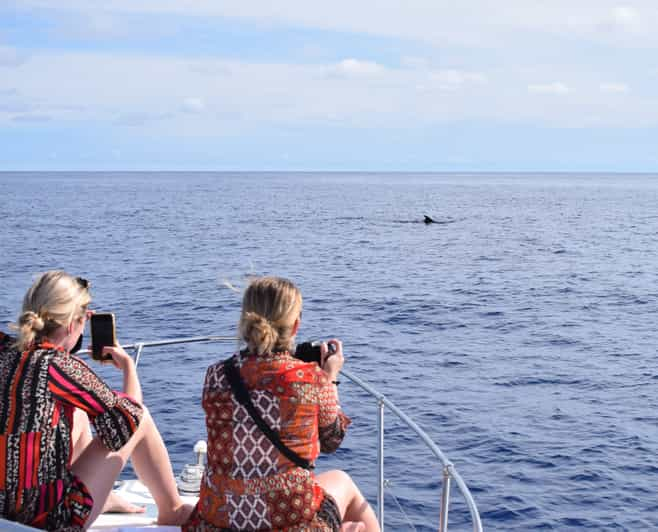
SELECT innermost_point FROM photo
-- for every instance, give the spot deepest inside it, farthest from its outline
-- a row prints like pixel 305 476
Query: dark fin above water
pixel 428 220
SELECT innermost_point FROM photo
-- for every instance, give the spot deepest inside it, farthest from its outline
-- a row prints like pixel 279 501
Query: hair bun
pixel 259 332
pixel 31 320
pixel 257 322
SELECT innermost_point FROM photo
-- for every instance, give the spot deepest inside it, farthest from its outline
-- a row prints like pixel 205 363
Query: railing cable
pixel 392 495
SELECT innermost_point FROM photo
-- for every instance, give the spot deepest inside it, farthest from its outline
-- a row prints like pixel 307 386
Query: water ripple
pixel 521 335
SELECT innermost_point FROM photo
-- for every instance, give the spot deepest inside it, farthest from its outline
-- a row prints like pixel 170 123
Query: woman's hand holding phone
pixel 332 358
pixel 126 364
pixel 118 356
pixel 106 349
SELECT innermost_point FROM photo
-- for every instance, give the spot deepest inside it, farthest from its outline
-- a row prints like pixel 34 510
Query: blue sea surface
pixel 520 332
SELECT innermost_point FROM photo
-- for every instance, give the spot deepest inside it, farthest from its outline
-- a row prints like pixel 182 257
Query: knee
pixel 146 414
pixel 80 424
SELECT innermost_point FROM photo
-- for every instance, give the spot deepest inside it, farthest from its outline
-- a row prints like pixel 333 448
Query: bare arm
pixel 126 364
pixel 333 422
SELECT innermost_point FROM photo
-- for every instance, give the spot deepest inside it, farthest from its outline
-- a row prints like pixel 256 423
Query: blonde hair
pixel 54 300
pixel 270 306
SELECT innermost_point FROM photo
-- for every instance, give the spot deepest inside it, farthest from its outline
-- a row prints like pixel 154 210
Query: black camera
pixel 310 351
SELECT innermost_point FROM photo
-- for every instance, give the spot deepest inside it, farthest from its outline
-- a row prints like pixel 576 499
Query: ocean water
pixel 520 332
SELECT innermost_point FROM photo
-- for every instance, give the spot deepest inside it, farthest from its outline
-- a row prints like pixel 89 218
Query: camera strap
pixel 242 396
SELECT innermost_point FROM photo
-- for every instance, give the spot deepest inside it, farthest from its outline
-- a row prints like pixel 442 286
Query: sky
pixel 408 85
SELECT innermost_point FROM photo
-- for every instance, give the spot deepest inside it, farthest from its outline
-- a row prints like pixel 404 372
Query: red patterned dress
pixel 39 391
pixel 248 484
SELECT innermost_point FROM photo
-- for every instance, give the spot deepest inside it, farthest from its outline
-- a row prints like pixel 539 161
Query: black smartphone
pixel 102 334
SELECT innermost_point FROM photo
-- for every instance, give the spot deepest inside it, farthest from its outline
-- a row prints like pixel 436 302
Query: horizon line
pixel 352 171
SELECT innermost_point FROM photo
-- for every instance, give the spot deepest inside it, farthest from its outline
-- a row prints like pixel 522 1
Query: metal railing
pixel 449 473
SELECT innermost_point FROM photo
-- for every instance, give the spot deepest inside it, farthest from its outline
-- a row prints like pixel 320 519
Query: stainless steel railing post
pixel 380 464
pixel 138 353
pixel 445 500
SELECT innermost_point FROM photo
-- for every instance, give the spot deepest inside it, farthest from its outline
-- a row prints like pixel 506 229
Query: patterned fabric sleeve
pixel 115 415
pixel 333 422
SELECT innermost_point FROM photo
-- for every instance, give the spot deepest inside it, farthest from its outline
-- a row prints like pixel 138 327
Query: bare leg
pixel 81 437
pixel 81 433
pixel 352 505
pixel 98 468
pixel 153 467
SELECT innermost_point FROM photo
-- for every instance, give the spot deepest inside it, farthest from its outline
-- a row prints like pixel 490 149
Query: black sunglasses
pixel 83 282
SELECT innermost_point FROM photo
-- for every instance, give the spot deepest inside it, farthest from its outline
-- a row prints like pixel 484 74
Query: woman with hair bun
pixel 268 416
pixel 52 474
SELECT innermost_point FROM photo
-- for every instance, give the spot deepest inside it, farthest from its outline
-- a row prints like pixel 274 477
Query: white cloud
pixel 454 79
pixel 152 92
pixel 140 118
pixel 194 105
pixel 415 62
pixel 31 118
pixel 555 87
pixel 625 16
pixel 617 24
pixel 97 24
pixel 14 106
pixel 419 20
pixel 356 68
pixel 616 88
pixel 11 57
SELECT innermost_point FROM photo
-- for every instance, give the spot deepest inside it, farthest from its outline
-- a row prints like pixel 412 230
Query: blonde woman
pixel 259 474
pixel 52 476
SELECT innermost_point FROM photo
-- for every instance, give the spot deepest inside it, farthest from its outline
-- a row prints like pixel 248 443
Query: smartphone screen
pixel 102 334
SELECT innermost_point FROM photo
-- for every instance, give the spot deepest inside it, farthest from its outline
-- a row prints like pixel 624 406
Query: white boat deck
pixel 135 492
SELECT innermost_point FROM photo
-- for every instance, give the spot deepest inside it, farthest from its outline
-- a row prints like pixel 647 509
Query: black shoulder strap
pixel 242 395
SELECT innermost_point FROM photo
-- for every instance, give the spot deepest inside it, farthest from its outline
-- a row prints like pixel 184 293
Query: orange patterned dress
pixel 248 484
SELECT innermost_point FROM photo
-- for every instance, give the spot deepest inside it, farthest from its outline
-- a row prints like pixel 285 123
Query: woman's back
pixel 35 440
pixel 262 488
pixel 262 448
